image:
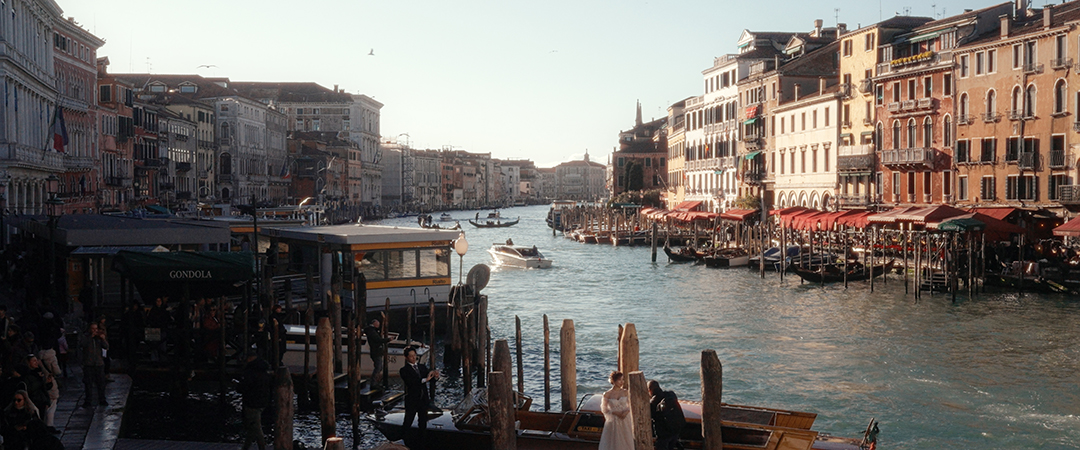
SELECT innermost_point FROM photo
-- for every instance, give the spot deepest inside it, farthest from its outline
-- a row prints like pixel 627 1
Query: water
pixel 999 371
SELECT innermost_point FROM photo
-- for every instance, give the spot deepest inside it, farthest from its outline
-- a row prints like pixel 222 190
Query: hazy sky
pixel 544 81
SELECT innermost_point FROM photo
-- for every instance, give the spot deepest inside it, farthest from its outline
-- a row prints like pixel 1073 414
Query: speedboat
pixel 519 256
pixel 445 217
pixel 294 351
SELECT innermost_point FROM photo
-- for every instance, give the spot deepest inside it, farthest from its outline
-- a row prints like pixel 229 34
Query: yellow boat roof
pixel 359 234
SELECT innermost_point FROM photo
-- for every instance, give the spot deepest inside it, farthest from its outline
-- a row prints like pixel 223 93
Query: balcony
pixel 949 199
pixel 1069 194
pixel 150 162
pixel 867 121
pixel 1076 126
pixel 908 105
pixel 866 86
pixel 1015 114
pixel 754 178
pixel 1028 160
pixel 909 157
pixel 183 166
pixel 204 144
pixel 118 181
pixel 78 162
pixel 926 103
pixel 963 119
pixel 728 162
pixel 1061 63
pixel 1033 68
pixel 991 117
pixel 894 107
pixel 855 158
pixel 854 200
pixel 751 137
pixel 846 124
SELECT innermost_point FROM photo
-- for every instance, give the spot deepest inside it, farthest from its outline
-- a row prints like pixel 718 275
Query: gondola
pixel 494 223
pixel 435 226
pixel 683 255
pixel 832 273
pixel 727 257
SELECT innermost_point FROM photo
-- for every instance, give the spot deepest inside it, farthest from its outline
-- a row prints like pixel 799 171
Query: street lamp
pixel 461 246
pixel 53 209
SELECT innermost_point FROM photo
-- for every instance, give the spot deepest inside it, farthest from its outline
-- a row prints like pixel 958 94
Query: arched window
pixel 225 130
pixel 896 135
pixel 928 132
pixel 991 104
pixel 1017 102
pixel 946 131
pixel 911 142
pixel 1029 101
pixel 226 164
pixel 962 108
pixel 1060 97
pixel 879 134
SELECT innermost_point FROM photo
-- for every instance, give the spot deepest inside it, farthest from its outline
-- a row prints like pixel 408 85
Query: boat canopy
pixel 201 274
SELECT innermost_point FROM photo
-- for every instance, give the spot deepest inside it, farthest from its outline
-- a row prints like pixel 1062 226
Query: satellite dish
pixel 478 277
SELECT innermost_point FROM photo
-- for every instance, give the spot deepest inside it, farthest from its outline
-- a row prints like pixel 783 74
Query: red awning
pixel 788 210
pixel 691 216
pixel 1071 228
pixel 857 220
pixel 889 216
pixel 997 213
pixel 931 214
pixel 996 230
pixel 686 206
pixel 738 214
pixel 789 220
pixel 808 221
pixel 833 218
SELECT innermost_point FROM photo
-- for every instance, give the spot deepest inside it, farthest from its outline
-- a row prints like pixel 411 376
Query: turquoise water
pixel 997 371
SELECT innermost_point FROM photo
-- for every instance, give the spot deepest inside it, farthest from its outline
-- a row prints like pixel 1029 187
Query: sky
pixel 545 81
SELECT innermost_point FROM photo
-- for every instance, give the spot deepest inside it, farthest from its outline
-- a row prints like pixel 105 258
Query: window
pixel 946 132
pixel 879 95
pixel 926 186
pixel 911 186
pixel 991 61
pixel 814 120
pixel 299 125
pixel 991 104
pixel 345 125
pixel 986 188
pixel 802 161
pixel 105 94
pixel 896 184
pixel 911 89
pixel 826 156
pixel 1060 50
pixel 1018 53
pixel 157 88
pixel 928 132
pixel 1029 55
pixel 980 63
pixel 187 89
pixel 989 150
pixel 803 117
pixel 1022 188
pixel 928 87
pixel 896 135
pixel 911 143
pixel 1052 188
pixel 1060 96
pixel 1029 101
pixel 847 47
pixel 1012 149
pixel 962 109
pixel 962 151
pixel 827 115
pixel 896 91
pixel 813 160
pixel 1016 103
pixel 963 66
pixel 946 85
pixel 962 187
pixel 868 42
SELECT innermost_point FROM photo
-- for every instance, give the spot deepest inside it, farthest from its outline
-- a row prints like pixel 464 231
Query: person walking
pixel 415 377
pixel 667 417
pixel 255 390
pixel 93 347
pixel 376 350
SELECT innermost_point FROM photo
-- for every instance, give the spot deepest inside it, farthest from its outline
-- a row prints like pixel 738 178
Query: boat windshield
pixel 529 252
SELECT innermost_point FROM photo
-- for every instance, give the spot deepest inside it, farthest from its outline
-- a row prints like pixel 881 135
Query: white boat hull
pixel 516 261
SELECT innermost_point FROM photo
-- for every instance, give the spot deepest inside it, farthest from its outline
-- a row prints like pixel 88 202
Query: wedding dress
pixel 618 431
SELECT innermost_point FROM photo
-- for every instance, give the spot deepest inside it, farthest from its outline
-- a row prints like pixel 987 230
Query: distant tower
pixel 586 155
pixel 638 121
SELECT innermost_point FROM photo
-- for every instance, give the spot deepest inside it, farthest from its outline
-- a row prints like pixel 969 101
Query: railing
pixel 728 161
pixel 908 156
pixel 205 144
pixel 1061 63
pixel 908 105
pixel 927 198
pixel 78 162
pixel 1069 194
pixel 1015 114
pixel 866 85
pixel 1058 159
pixel 963 119
pixel 854 200
pixel 894 106
pixel 151 162
pixel 751 137
pixel 754 177
pixel 1032 68
pixel 910 198
pixel 925 103
pixel 987 159
pixel 1028 160
pixel 867 121
pixel 855 150
pixel 846 124
pixel 949 198
pixel 991 117
pixel 120 181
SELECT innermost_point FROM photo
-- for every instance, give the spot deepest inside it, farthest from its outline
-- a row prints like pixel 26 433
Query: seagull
pixel 206 66
pixel 371 53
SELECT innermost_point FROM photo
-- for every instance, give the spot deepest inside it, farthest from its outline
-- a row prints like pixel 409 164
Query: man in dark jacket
pixel 256 391
pixel 376 350
pixel 415 377
pixel 667 416
pixel 93 344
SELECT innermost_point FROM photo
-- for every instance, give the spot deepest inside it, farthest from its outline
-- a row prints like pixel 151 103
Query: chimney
pixel 1047 14
pixel 1004 26
pixel 821 85
pixel 1020 8
pixel 336 89
pixel 817 27
pixel 796 91
pixel 841 28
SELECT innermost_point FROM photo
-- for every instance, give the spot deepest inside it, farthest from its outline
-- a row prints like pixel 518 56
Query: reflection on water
pixel 998 371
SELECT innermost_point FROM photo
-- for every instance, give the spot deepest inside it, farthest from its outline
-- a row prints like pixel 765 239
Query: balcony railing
pixel 119 181
pixel 925 103
pixel 963 119
pixel 1069 194
pixel 1032 68
pixel 1058 159
pixel 991 117
pixel 866 86
pixel 728 162
pixel 894 107
pixel 867 121
pixel 854 200
pixel 908 105
pixel 908 157
pixel 751 137
pixel 1028 160
pixel 78 162
pixel 754 177
pixel 1061 63
pixel 1015 114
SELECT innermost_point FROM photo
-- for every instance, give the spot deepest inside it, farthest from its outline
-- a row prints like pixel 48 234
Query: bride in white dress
pixel 618 429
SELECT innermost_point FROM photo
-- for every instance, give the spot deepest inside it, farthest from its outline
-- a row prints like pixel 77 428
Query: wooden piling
pixel 654 242
pixel 520 362
pixel 712 383
pixel 309 319
pixel 618 348
pixel 385 322
pixel 873 241
pixel 431 340
pixel 334 443
pixel 628 349
pixel 500 359
pixel 568 365
pixel 283 429
pixel 640 413
pixel 547 365
pixel 482 341
pixel 502 413
pixel 325 375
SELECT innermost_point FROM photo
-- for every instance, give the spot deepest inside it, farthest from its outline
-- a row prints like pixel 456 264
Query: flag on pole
pixel 285 171
pixel 59 128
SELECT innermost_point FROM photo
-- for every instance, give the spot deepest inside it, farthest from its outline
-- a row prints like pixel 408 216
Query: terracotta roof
pixel 903 22
pixel 1059 16
pixel 290 92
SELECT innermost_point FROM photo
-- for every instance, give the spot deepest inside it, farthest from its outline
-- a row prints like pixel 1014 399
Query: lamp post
pixel 53 209
pixel 461 246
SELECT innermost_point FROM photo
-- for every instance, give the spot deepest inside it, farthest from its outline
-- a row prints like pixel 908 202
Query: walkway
pixel 93 428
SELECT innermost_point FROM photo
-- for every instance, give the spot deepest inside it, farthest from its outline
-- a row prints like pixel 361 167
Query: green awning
pixel 845 135
pixel 750 121
pixel 866 133
pixel 925 37
pixel 966 224
pixel 202 274
pixel 751 155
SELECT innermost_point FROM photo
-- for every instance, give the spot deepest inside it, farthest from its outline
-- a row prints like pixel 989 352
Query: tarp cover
pixel 1070 228
pixel 206 274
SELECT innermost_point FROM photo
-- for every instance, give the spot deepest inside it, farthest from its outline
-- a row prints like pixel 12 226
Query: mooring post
pixel 547 365
pixel 501 399
pixel 712 386
pixel 309 319
pixel 386 355
pixel 483 341
pixel 568 365
pixel 324 369
pixel 283 430
pixel 640 413
pixel 500 359
pixel 520 363
pixel 618 348
pixel 628 348
pixel 654 242
pixel 334 443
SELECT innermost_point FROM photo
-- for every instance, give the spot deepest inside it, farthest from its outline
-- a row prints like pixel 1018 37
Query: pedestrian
pixel 93 347
pixel 102 321
pixel 22 348
pixel 667 417
pixel 255 390
pixel 17 417
pixel 40 386
pixel 415 377
pixel 5 321
pixel 376 350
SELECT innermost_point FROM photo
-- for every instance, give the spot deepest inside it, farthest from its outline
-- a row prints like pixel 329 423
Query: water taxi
pixel 519 256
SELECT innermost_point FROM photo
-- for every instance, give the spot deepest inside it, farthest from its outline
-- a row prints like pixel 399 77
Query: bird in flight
pixel 371 53
pixel 206 66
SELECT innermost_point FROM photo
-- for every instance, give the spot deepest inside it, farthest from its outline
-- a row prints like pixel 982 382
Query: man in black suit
pixel 415 376
pixel 667 417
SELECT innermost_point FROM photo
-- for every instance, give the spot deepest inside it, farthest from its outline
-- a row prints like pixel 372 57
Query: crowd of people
pixel 33 360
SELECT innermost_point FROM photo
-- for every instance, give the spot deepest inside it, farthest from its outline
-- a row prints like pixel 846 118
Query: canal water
pixel 996 371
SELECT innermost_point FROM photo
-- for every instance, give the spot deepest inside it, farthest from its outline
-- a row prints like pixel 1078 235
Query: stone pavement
pixel 90 428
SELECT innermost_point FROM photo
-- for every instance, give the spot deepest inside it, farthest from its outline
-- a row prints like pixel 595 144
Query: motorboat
pixel 773 257
pixel 519 256
pixel 294 351
pixel 445 217
pixel 468 425
pixel 727 257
